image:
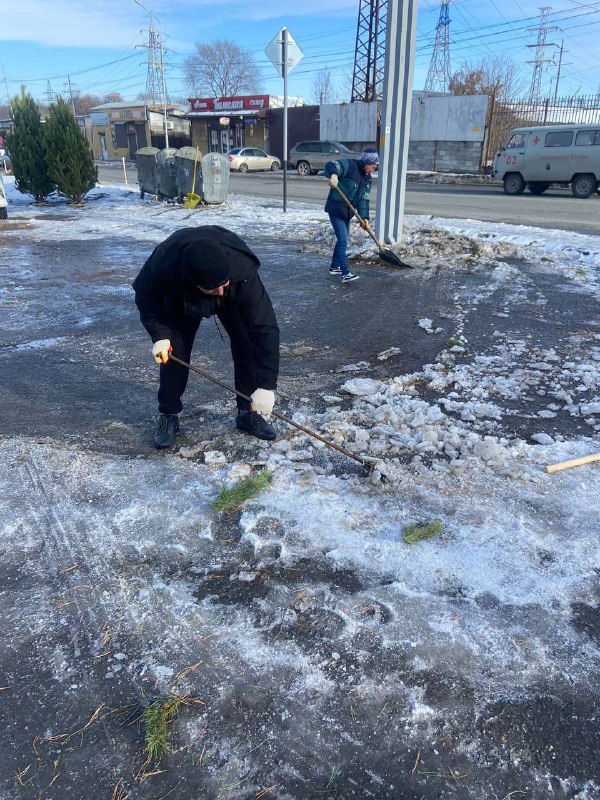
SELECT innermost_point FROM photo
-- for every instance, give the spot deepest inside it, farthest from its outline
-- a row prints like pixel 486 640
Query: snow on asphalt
pixel 510 531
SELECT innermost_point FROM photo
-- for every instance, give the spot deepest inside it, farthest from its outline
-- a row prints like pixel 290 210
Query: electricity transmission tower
pixel 50 94
pixel 535 90
pixel 369 56
pixel 154 77
pixel 438 76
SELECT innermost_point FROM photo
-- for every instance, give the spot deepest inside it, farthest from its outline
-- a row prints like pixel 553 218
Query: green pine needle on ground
pixel 156 718
pixel 419 531
pixel 243 490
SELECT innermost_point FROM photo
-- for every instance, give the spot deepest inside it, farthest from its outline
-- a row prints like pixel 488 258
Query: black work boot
pixel 252 423
pixel 168 427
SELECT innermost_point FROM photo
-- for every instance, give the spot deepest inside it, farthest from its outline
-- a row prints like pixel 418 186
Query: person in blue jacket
pixel 353 176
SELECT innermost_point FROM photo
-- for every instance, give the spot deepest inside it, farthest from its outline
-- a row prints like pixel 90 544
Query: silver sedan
pixel 245 159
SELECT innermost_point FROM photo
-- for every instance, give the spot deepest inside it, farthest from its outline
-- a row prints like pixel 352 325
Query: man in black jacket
pixel 201 272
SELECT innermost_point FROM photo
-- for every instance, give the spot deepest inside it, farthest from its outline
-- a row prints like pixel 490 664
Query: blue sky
pixel 98 45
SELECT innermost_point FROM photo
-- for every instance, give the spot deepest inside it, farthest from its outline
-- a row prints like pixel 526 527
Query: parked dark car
pixel 310 157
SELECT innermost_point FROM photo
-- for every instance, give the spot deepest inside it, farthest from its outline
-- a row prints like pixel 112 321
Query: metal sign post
pixel 284 54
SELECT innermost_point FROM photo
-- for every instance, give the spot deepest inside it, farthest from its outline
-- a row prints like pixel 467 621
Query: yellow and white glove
pixel 263 401
pixel 161 350
pixel 333 180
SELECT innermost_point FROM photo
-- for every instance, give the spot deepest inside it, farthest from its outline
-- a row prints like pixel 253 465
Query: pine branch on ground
pixel 243 490
pixel 419 531
pixel 156 718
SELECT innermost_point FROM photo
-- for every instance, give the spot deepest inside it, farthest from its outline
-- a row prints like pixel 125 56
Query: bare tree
pixel 495 76
pixel 221 69
pixel 83 102
pixel 323 90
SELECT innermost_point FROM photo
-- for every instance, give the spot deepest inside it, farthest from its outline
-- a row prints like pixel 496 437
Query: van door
pixel 511 158
pixel 549 156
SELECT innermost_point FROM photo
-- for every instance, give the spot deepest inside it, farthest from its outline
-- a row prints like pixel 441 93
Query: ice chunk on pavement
pixel 361 386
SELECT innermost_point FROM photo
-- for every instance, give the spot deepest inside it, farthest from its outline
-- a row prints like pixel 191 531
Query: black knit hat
pixel 206 264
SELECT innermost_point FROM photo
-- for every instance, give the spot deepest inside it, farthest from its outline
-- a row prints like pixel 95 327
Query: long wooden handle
pixel 276 414
pixel 194 178
pixel 359 218
pixel 575 462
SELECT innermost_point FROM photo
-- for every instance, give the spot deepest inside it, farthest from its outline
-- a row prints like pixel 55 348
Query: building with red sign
pixel 218 124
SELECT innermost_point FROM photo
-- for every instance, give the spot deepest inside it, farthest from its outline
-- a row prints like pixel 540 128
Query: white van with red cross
pixel 536 157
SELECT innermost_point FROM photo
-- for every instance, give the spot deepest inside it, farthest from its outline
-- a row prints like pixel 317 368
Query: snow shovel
pixel 366 463
pixel 191 199
pixel 385 254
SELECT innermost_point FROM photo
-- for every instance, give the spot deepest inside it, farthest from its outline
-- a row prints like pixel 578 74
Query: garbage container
pixel 184 171
pixel 165 168
pixel 145 159
pixel 215 178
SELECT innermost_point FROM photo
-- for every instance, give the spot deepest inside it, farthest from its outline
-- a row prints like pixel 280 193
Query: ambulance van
pixel 536 157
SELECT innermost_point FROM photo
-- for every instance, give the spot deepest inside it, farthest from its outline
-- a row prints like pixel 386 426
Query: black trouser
pixel 174 377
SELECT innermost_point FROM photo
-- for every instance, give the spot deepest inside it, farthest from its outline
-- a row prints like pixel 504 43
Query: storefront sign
pixel 247 103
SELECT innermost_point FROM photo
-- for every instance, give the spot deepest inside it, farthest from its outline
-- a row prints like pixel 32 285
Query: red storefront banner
pixel 253 102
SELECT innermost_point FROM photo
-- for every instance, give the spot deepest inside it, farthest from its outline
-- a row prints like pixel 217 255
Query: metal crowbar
pixel 368 465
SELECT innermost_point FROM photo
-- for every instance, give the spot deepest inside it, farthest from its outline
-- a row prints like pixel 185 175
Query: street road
pixel 555 209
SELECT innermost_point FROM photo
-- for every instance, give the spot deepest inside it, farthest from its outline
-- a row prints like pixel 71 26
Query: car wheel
pixel 274 166
pixel 243 167
pixel 3 213
pixel 303 168
pixel 537 188
pixel 584 186
pixel 514 183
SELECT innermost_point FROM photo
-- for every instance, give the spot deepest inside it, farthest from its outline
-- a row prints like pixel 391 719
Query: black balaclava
pixel 206 264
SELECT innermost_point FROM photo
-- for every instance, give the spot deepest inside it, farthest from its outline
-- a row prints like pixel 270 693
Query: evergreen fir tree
pixel 25 144
pixel 68 155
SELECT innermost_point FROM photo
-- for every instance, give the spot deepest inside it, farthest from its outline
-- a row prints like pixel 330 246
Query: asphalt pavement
pixel 555 209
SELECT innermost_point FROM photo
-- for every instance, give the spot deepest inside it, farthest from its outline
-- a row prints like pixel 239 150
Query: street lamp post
pixel 162 66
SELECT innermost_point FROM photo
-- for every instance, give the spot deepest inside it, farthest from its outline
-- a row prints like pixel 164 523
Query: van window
pixel 559 139
pixel 516 140
pixel 587 137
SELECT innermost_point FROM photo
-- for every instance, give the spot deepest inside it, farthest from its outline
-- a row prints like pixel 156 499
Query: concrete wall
pixel 444 156
pixel 446 132
pixel 349 122
pixel 448 118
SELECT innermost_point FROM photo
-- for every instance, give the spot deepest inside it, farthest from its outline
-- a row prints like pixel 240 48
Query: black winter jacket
pixel 164 296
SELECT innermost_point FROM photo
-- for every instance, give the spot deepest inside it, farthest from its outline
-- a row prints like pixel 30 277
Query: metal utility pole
pixel 50 96
pixel 369 55
pixel 71 95
pixel 438 76
pixel 560 61
pixel 395 118
pixel 155 80
pixel 535 90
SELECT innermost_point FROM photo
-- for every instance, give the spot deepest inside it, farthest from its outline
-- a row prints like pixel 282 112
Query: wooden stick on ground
pixel 575 462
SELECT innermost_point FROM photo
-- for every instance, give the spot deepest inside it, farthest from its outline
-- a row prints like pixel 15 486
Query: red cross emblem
pixel 537 140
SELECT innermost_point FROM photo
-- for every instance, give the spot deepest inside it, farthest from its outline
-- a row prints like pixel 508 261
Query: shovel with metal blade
pixel 191 199
pixel 385 254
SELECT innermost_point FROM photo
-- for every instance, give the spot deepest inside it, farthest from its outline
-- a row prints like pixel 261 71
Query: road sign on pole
pixel 284 54
pixel 274 52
